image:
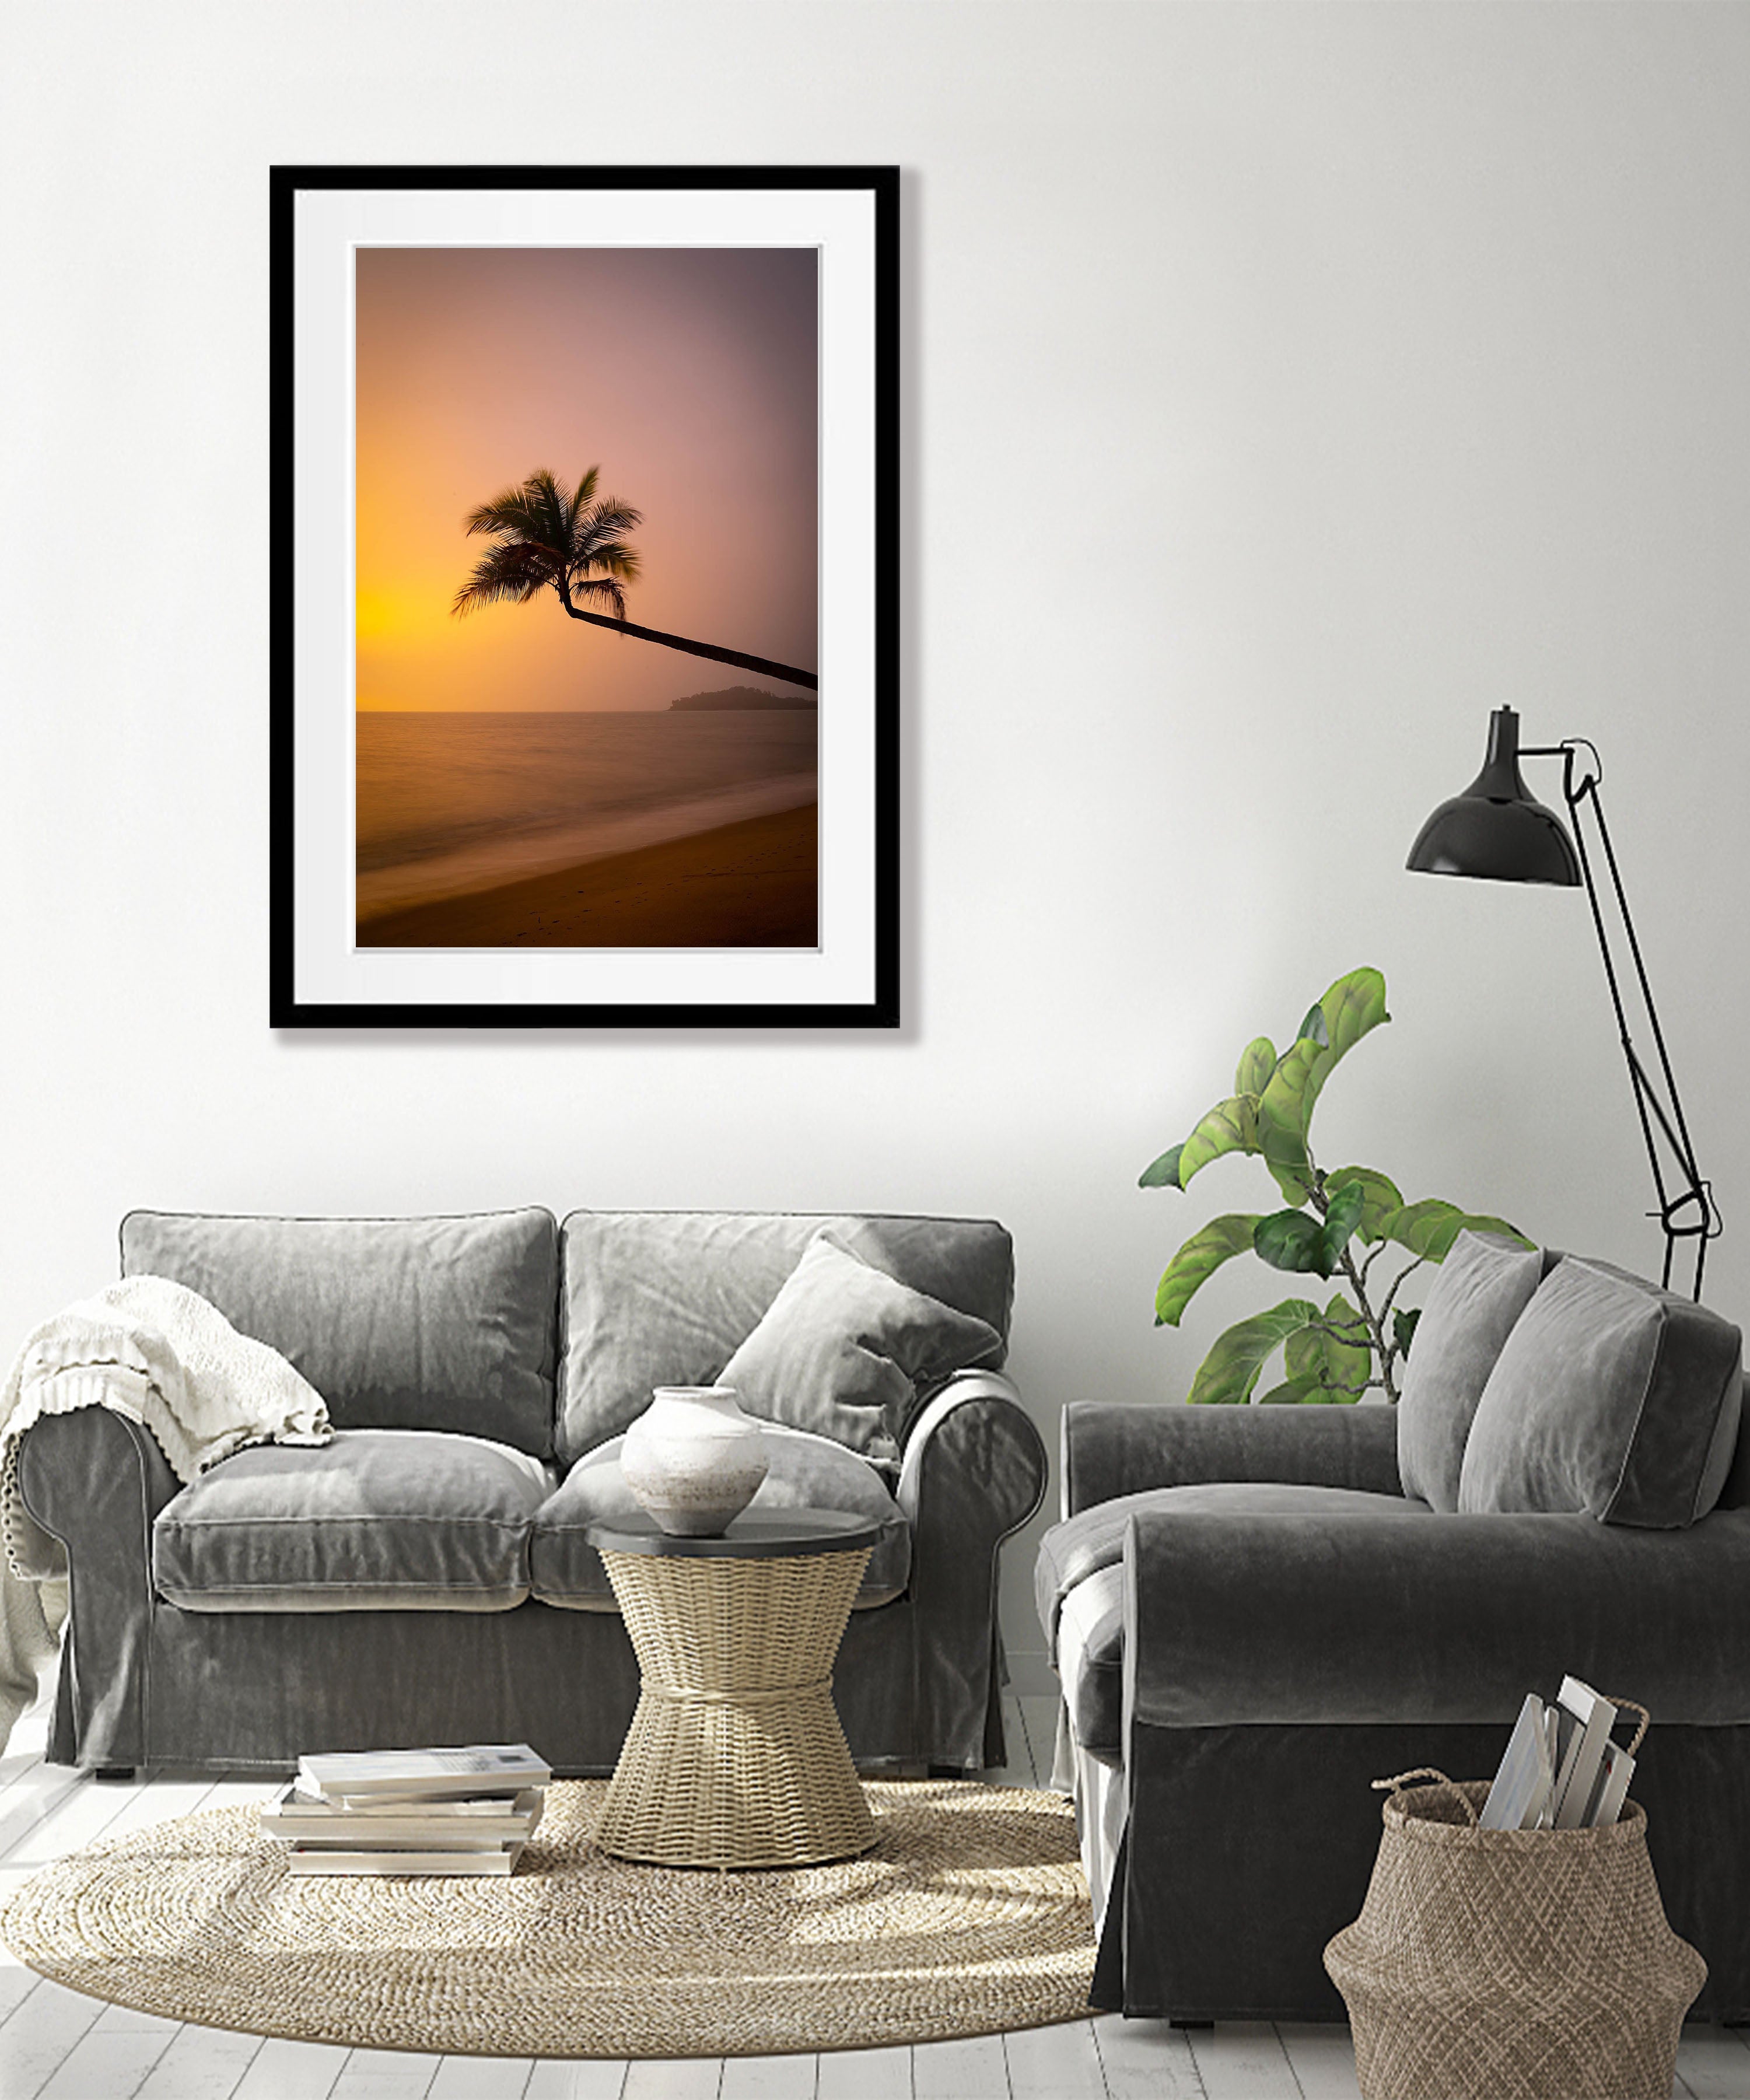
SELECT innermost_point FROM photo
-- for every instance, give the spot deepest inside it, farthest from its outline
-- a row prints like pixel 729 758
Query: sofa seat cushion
pixel 806 1473
pixel 1078 1582
pixel 1081 1546
pixel 1090 1663
pixel 380 1520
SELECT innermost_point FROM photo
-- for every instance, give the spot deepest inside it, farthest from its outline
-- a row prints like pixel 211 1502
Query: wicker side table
pixel 735 1757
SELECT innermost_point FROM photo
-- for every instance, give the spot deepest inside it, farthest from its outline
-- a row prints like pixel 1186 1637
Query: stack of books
pixel 1561 1771
pixel 446 1811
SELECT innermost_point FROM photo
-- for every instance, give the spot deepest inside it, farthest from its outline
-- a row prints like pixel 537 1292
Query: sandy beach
pixel 751 885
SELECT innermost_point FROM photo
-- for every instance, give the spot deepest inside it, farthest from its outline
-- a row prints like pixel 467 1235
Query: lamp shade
pixel 1497 829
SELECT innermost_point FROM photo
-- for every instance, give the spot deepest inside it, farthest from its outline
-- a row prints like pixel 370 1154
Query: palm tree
pixel 544 534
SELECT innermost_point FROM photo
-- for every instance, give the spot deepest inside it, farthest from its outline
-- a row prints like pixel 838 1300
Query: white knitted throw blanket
pixel 157 1353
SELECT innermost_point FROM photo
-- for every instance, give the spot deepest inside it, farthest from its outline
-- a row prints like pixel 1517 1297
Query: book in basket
pixel 475 1769
pixel 1520 1795
pixel 1561 1770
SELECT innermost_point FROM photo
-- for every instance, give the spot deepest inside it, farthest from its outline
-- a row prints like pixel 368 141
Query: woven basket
pixel 1521 1965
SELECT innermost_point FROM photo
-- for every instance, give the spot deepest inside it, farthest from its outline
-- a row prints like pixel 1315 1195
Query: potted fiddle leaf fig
pixel 1338 1224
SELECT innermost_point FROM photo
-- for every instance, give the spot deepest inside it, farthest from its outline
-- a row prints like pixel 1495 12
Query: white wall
pixel 1285 386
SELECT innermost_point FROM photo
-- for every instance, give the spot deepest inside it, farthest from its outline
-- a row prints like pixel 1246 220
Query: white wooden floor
pixel 55 2045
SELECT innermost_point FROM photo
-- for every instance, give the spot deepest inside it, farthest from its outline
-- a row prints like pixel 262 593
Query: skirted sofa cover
pixel 425 1576
pixel 1256 1612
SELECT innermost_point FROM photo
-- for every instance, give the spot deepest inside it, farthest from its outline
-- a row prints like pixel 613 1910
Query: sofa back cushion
pixel 398 1323
pixel 1611 1398
pixel 655 1298
pixel 1482 1286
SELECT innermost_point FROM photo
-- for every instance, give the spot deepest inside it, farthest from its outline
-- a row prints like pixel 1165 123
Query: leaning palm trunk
pixel 547 534
pixel 764 664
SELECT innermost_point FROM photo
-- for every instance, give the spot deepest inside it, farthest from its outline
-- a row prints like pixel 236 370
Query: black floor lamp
pixel 1497 830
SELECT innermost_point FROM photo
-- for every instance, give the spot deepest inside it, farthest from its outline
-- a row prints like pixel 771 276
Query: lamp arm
pixel 1691 1213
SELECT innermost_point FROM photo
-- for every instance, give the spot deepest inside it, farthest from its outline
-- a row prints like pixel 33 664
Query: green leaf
pixel 1162 1173
pixel 1197 1260
pixel 1340 1218
pixel 1336 1355
pixel 1281 1134
pixel 1302 1244
pixel 1428 1228
pixel 1379 1197
pixel 1354 1007
pixel 1292 1392
pixel 1291 1240
pixel 1227 1374
pixel 1303 1357
pixel 1475 1222
pixel 1403 1328
pixel 1231 1126
pixel 1257 1060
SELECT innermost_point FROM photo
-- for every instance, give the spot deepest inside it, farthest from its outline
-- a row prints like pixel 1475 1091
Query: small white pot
pixel 693 1460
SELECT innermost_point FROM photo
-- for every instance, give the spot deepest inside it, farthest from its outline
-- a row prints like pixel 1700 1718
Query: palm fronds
pixel 516 511
pixel 548 534
pixel 514 572
pixel 603 590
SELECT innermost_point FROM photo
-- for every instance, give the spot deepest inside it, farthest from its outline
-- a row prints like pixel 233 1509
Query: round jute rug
pixel 970 1915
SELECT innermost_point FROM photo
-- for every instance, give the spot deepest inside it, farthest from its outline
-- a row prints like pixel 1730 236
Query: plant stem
pixel 1375 1327
pixel 1383 1352
pixel 1385 1310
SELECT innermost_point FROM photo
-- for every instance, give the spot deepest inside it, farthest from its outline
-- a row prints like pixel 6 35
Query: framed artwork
pixel 584 550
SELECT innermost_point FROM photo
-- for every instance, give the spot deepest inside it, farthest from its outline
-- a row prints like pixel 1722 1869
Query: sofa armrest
pixel 974 1471
pixel 1110 1448
pixel 95 1480
pixel 1353 1619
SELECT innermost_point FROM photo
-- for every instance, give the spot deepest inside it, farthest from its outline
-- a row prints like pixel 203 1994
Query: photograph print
pixel 618 680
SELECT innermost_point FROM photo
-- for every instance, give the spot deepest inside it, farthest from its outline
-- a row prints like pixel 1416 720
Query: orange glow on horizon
pixel 687 376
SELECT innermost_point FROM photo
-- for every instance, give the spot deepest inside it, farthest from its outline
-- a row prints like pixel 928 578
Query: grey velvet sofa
pixel 1253 1620
pixel 424 1578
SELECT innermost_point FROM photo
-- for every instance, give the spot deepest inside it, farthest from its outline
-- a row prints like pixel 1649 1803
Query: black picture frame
pixel 317 977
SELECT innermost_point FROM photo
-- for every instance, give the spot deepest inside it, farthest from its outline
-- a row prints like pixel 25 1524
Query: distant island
pixel 745 696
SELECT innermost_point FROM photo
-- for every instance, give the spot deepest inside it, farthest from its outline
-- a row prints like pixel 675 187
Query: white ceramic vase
pixel 693 1460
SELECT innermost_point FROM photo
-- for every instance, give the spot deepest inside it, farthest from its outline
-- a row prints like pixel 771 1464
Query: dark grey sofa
pixel 424 1579
pixel 1253 1622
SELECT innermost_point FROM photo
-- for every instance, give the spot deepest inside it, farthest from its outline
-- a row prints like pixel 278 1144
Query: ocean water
pixel 451 803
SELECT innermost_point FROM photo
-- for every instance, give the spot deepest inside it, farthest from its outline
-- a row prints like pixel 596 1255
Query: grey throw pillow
pixel 843 1349
pixel 1484 1284
pixel 1611 1398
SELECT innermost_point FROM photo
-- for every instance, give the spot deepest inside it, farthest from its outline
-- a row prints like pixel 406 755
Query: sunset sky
pixel 687 375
